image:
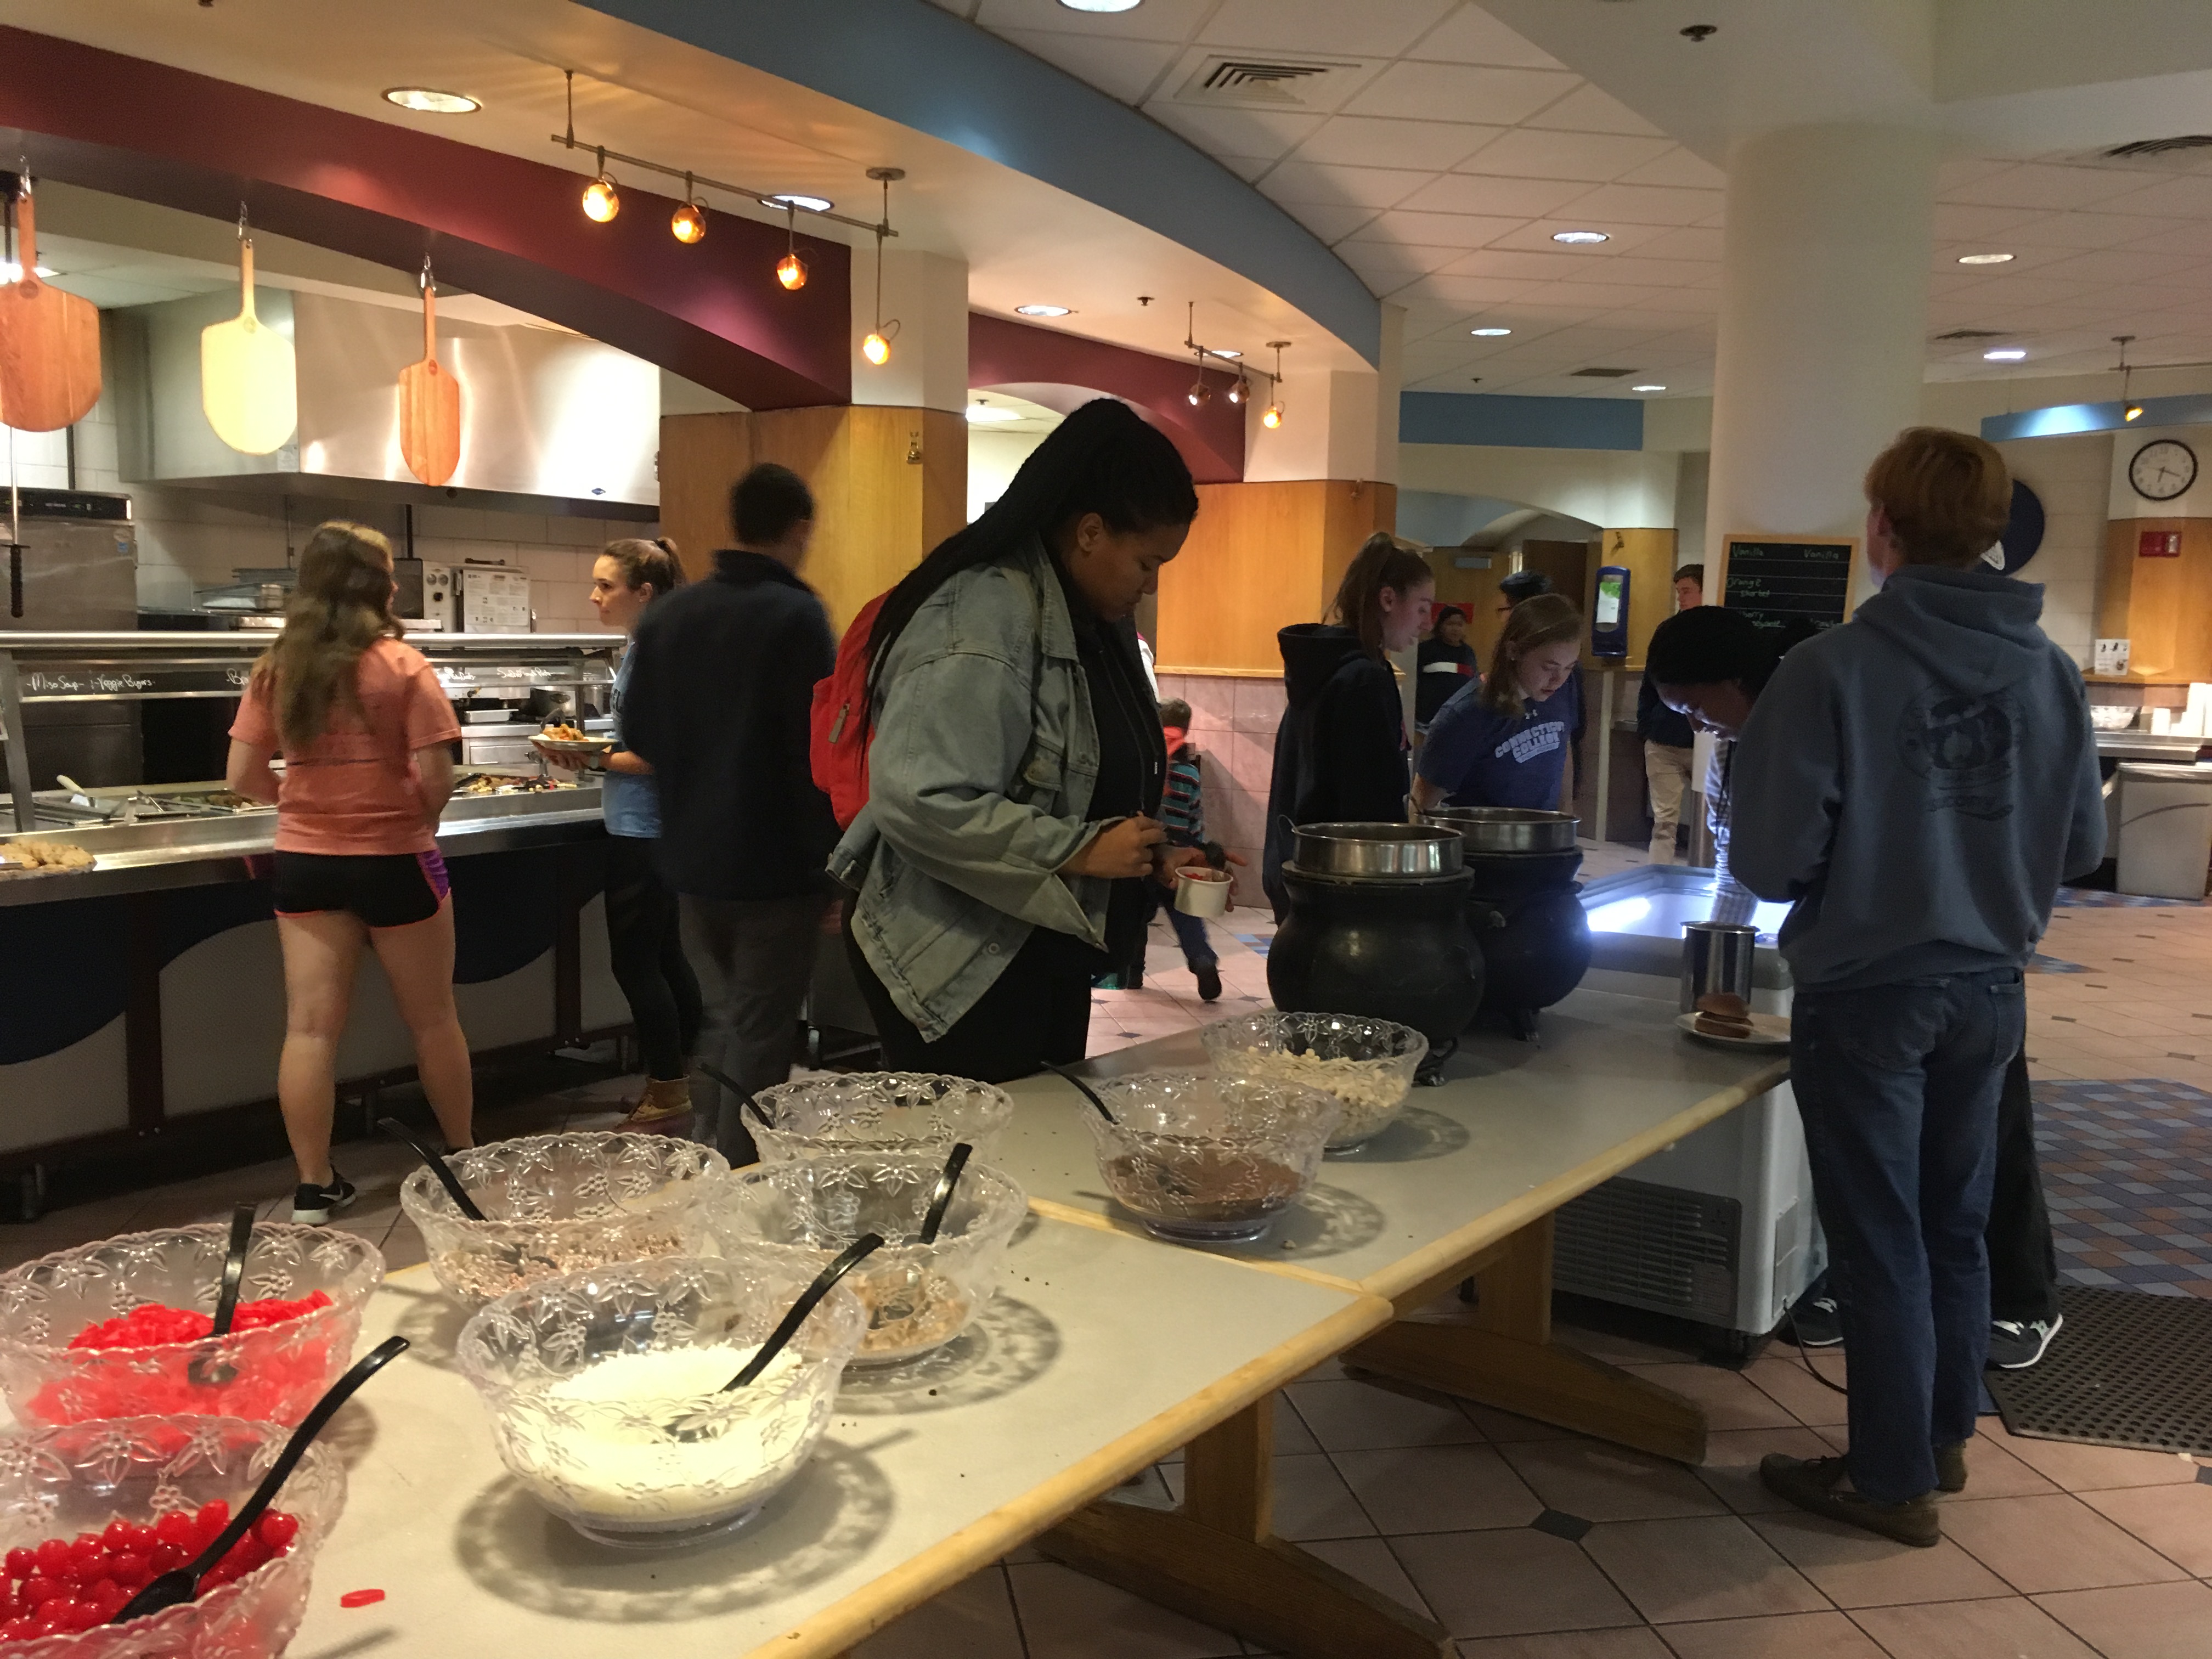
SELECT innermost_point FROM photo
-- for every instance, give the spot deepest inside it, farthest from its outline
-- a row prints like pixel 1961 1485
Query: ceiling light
pixel 1200 394
pixel 1273 417
pixel 2133 412
pixel 1043 311
pixel 1647 388
pixel 791 272
pixel 1578 237
pixel 2004 354
pixel 1240 391
pixel 1231 355
pixel 877 346
pixel 429 100
pixel 1100 5
pixel 602 201
pixel 1984 259
pixel 687 224
pixel 809 203
pixel 877 349
pixel 1488 333
pixel 983 414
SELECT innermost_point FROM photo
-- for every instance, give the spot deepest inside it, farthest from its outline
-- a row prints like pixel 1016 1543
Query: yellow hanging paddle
pixel 249 380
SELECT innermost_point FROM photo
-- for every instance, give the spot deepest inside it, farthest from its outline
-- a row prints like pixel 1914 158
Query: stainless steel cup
pixel 1717 956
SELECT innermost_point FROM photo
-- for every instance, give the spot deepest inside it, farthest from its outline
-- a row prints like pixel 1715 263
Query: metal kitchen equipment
pixel 1376 851
pixel 1507 829
pixel 1718 958
pixel 72 564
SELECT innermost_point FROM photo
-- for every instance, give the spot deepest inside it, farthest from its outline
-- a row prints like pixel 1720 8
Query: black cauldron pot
pixel 1525 910
pixel 1386 948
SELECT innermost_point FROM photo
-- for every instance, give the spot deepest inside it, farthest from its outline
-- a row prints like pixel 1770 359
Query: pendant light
pixel 602 201
pixel 877 346
pixel 1273 417
pixel 791 270
pixel 2130 409
pixel 687 224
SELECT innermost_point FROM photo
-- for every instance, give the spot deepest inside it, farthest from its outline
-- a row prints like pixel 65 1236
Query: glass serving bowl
pixel 559 1204
pixel 918 1297
pixel 60 1482
pixel 584 1374
pixel 1366 1066
pixel 268 1374
pixel 877 1111
pixel 1208 1160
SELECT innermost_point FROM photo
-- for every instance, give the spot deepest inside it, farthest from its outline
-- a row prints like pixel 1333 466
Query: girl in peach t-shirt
pixel 363 726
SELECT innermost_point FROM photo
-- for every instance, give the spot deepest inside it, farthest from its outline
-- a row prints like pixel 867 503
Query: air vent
pixel 2143 147
pixel 1266 83
pixel 1602 373
pixel 1973 334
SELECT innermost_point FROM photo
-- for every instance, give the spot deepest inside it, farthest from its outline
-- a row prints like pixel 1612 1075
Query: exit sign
pixel 2158 545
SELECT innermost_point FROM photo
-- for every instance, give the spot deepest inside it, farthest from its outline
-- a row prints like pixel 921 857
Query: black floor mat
pixel 2128 1370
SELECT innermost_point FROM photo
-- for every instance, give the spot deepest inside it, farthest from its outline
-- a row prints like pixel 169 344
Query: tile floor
pixel 1527 1543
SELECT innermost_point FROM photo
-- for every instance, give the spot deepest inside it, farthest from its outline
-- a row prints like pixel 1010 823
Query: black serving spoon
pixel 207 1369
pixel 941 1200
pixel 1089 1093
pixel 690 1428
pixel 182 1584
pixel 468 1207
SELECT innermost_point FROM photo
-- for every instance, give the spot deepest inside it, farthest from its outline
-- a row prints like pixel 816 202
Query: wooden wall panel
pixel 2162 607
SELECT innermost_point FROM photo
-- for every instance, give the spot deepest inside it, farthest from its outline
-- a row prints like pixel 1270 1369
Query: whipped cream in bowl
pixel 586 1378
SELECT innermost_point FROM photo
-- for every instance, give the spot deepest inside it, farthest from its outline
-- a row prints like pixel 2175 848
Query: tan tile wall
pixel 1233 721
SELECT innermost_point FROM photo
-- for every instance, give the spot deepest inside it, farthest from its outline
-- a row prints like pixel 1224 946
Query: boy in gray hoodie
pixel 1918 782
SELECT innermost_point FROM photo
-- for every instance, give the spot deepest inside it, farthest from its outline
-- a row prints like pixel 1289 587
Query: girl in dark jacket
pixel 1340 750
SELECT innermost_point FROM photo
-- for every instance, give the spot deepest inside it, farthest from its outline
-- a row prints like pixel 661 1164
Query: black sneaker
pixel 1815 1322
pixel 313 1206
pixel 1209 983
pixel 2014 1344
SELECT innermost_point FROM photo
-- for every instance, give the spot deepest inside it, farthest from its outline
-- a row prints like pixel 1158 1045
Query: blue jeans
pixel 1898 1086
pixel 1189 930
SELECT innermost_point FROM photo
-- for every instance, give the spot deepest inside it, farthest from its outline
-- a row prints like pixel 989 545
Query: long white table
pixel 1101 1354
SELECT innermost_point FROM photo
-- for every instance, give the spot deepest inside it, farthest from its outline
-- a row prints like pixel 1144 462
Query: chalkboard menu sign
pixel 1782 583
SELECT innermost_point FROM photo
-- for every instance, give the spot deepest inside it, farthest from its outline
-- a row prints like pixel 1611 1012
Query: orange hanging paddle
pixel 49 343
pixel 429 403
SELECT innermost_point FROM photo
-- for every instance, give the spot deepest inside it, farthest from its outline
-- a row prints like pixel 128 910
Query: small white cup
pixel 1201 890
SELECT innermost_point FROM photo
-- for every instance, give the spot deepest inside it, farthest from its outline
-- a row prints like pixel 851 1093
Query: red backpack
pixel 838 729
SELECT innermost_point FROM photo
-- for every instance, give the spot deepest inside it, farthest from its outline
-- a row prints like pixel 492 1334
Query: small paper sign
pixel 2158 545
pixel 2110 657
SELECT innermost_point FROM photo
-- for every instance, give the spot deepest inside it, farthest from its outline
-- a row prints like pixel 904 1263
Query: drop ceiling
pixel 1438 150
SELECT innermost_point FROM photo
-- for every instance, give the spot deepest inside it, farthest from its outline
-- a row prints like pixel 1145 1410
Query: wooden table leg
pixel 1503 1356
pixel 1217 1559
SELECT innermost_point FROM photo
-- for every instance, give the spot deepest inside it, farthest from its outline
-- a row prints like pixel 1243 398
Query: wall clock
pixel 2162 469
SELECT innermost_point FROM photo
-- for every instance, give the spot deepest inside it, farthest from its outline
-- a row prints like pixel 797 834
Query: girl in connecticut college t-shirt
pixel 1503 741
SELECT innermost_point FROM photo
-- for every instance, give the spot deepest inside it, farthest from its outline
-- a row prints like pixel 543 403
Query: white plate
pixel 1768 1031
pixel 573 745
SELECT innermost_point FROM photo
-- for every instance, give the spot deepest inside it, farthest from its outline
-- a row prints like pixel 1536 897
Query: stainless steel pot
pixel 1507 829
pixel 1381 851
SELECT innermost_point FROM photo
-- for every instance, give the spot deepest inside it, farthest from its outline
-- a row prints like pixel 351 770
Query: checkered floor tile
pixel 2127 1171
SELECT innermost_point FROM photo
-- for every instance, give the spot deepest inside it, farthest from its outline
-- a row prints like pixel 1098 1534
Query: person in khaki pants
pixel 1668 742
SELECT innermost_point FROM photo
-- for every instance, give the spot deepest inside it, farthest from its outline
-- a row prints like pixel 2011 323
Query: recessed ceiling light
pixel 1232 356
pixel 1488 333
pixel 983 414
pixel 1580 236
pixel 2004 354
pixel 1984 259
pixel 806 204
pixel 1043 311
pixel 1647 388
pixel 429 100
pixel 1100 5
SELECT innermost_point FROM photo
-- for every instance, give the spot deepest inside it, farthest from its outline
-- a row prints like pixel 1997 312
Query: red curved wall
pixel 495 225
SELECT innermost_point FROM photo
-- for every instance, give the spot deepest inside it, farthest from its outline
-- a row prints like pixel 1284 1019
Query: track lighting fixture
pixel 875 347
pixel 688 223
pixel 1273 416
pixel 2130 409
pixel 791 270
pixel 602 201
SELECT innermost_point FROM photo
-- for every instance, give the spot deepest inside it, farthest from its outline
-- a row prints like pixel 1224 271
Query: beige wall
pixel 2070 476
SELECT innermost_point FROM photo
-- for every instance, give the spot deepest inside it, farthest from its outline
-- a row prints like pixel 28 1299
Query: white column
pixel 1823 319
pixel 927 293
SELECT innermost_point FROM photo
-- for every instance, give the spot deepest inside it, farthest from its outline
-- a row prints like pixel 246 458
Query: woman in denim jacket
pixel 1015 775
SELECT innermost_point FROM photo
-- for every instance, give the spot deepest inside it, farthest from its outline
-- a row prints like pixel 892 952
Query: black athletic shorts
pixel 385 890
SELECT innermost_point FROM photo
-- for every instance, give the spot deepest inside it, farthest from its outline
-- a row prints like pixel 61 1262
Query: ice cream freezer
pixel 1718 1228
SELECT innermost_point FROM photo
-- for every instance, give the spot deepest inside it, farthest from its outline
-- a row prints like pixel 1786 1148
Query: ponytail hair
pixel 1383 561
pixel 1544 620
pixel 641 561
pixel 1103 459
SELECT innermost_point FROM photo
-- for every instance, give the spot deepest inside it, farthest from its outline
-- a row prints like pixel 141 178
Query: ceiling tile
pixel 1597 157
pixel 1156 20
pixel 1369 187
pixel 1368 141
pixel 1611 205
pixel 1451 92
pixel 2088 230
pixel 1234 132
pixel 2004 294
pixel 2121 266
pixel 1467 192
pixel 2183 242
pixel 1536 237
pixel 2037 184
pixel 1587 109
pixel 1372 29
pixel 1960 222
pixel 1468 292
pixel 1678 167
pixel 1392 262
pixel 2187 198
pixel 1472 35
pixel 1945 261
pixel 1438 229
pixel 1331 222
pixel 1121 69
pixel 1703 246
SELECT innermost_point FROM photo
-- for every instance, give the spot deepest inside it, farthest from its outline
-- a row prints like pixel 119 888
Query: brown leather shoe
pixel 1951 1467
pixel 1817 1483
pixel 664 1108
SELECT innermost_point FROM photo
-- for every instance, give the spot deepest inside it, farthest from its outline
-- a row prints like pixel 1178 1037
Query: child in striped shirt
pixel 1183 813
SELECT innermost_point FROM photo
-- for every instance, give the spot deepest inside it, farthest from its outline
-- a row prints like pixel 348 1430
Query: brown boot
pixel 664 1108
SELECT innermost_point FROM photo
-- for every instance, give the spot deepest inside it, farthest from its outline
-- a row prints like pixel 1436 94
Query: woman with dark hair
pixel 1340 750
pixel 364 729
pixel 645 946
pixel 1709 665
pixel 1502 740
pixel 1017 768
